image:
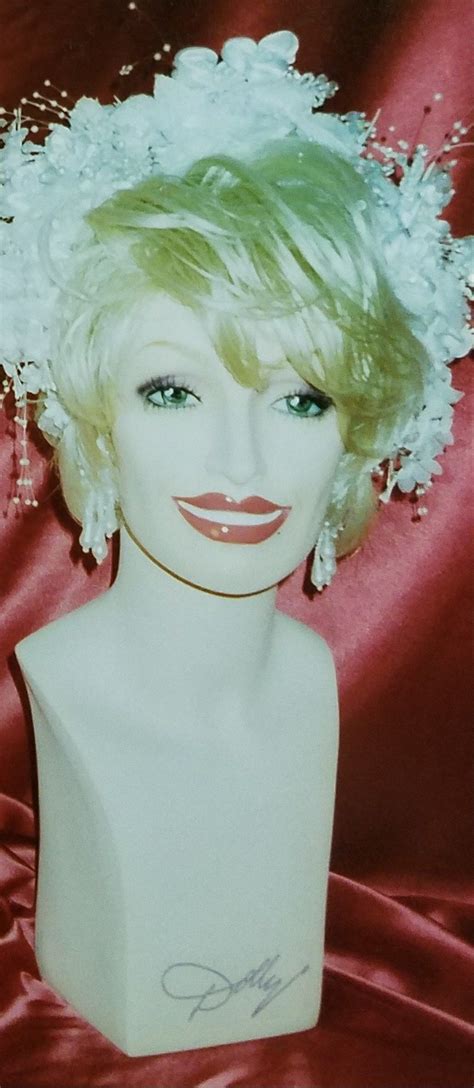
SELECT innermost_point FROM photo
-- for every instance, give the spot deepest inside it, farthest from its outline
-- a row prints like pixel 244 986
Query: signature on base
pixel 210 989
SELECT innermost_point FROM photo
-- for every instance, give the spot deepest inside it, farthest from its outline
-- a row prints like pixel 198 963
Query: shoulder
pixel 306 662
pixel 56 648
pixel 305 683
pixel 34 650
pixel 304 644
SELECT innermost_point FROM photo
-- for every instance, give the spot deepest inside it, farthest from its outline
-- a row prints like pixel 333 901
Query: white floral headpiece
pixel 211 105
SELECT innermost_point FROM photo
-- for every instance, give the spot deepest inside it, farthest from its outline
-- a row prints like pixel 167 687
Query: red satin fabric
pixel 399 967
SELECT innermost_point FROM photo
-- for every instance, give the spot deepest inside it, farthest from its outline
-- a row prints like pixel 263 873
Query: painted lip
pixel 248 521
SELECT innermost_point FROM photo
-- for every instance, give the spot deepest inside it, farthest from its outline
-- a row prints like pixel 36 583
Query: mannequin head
pixel 268 276
pixel 185 430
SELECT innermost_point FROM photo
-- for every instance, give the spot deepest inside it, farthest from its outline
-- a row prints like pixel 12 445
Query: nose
pixel 235 449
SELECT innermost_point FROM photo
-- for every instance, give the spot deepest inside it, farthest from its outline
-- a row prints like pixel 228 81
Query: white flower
pixel 53 419
pixel 194 64
pixel 416 470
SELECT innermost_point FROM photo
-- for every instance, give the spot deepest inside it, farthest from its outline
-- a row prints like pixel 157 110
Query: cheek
pixel 319 463
pixel 142 465
pixel 317 481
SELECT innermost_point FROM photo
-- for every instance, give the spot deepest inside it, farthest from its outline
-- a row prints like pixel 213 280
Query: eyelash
pixel 160 385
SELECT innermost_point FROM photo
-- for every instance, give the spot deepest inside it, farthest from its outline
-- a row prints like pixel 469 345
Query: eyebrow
pixel 184 348
pixel 276 367
pixel 277 364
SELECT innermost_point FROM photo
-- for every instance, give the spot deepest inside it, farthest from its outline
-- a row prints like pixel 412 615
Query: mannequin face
pixel 191 444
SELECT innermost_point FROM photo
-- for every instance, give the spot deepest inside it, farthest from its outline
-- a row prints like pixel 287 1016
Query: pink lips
pixel 246 522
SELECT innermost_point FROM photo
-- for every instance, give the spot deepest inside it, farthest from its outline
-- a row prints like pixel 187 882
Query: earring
pixel 324 562
pixel 99 519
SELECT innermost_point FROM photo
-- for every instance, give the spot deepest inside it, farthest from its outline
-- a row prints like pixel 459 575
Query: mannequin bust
pixel 199 815
pixel 187 730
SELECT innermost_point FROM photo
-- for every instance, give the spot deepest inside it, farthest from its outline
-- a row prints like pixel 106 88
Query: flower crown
pixel 222 105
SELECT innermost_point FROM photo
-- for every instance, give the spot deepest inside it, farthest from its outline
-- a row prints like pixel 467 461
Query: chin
pixel 229 582
pixel 228 569
pixel 237 573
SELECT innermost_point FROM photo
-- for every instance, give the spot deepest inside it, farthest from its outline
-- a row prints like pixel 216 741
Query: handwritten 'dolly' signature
pixel 211 989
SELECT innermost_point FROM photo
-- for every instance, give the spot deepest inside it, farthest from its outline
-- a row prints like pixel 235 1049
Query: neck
pixel 209 642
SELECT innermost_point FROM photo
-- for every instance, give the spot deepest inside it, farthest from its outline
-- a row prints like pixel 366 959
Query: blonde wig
pixel 287 241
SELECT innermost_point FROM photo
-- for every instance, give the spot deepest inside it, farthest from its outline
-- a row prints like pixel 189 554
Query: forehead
pixel 165 326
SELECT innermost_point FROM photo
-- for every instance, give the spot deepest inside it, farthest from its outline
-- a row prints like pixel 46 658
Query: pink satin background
pixel 397 999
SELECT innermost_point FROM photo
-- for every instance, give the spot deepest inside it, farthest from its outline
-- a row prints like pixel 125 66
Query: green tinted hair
pixel 286 241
